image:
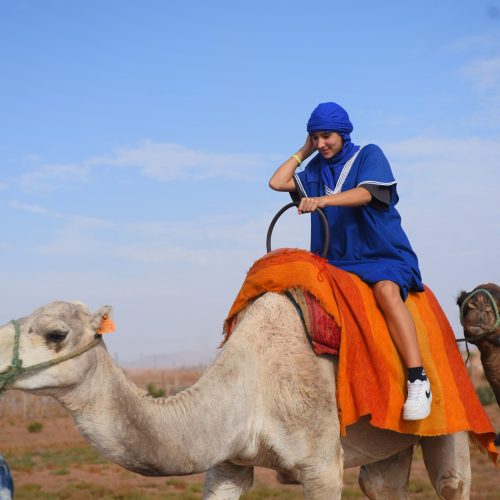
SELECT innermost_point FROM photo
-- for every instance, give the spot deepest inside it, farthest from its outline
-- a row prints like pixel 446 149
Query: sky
pixel 138 137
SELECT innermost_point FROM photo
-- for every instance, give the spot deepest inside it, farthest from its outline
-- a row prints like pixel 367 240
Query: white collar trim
pixel 343 175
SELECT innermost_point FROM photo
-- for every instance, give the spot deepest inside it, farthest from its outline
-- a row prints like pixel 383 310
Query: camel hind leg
pixel 387 479
pixel 227 481
pixel 447 460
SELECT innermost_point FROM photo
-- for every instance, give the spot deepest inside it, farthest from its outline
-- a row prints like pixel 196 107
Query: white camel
pixel 267 400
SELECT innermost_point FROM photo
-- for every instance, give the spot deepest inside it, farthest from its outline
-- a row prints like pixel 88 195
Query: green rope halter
pixel 16 368
pixel 492 300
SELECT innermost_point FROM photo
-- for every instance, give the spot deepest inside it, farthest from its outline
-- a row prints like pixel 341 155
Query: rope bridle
pixel 16 368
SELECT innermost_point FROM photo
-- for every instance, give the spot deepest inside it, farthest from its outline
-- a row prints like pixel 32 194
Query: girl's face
pixel 327 143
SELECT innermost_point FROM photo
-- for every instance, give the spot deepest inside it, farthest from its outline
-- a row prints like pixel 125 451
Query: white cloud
pixel 200 242
pixel 36 209
pixel 197 242
pixel 481 70
pixel 483 73
pixel 458 175
pixel 167 161
pixel 483 42
pixel 160 161
pixel 461 151
pixel 52 177
pixel 81 220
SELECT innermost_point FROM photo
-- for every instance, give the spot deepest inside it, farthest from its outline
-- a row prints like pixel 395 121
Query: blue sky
pixel 137 140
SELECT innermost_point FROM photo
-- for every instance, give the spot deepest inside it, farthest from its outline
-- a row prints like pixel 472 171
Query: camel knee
pixel 451 486
pixel 387 479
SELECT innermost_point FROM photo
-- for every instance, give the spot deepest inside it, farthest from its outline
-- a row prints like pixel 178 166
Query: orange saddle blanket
pixel 371 377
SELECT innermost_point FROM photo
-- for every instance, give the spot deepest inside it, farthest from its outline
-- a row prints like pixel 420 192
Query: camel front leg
pixel 227 481
pixel 388 478
pixel 322 477
pixel 323 482
pixel 447 460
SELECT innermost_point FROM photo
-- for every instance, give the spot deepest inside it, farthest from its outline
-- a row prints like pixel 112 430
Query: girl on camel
pixel 356 189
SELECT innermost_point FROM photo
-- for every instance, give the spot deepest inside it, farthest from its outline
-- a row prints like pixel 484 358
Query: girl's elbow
pixel 274 184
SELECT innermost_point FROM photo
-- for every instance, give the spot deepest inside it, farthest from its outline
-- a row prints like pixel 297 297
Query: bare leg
pixel 399 322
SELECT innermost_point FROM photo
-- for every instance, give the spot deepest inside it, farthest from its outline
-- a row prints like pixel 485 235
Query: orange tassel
pixel 106 326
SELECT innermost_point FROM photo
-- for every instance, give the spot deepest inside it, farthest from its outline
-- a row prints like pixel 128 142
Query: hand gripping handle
pixel 326 229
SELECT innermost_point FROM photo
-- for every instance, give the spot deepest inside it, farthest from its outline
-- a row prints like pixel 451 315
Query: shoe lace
pixel 414 390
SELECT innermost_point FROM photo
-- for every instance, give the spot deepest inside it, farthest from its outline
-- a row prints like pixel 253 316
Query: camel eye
pixel 56 336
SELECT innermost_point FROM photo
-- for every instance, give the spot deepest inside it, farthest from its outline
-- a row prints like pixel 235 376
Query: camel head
pixel 51 332
pixel 478 313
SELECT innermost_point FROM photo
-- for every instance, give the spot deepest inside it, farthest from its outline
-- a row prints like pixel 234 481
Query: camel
pixel 479 315
pixel 481 325
pixel 267 400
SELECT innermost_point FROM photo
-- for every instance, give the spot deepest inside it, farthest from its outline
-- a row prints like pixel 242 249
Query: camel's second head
pixel 56 330
pixel 478 312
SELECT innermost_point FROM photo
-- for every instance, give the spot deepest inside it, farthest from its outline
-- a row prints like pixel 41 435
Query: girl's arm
pixel 350 198
pixel 282 179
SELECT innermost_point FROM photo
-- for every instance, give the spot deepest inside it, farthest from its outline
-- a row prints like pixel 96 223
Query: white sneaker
pixel 418 401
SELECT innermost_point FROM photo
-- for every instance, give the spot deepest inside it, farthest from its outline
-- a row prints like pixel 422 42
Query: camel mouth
pixel 474 330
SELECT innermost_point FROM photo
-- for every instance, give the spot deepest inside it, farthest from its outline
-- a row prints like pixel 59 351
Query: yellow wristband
pixel 297 158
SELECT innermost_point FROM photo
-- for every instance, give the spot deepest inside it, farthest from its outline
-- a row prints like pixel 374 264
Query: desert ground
pixel 49 460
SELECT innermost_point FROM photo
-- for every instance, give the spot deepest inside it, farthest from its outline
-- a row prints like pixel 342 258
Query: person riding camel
pixel 356 189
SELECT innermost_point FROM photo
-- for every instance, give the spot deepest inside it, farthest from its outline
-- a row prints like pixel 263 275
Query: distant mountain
pixel 180 359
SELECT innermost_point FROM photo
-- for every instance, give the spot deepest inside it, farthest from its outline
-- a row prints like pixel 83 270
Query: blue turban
pixel 330 116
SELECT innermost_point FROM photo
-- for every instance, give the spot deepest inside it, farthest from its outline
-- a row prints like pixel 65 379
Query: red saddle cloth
pixel 371 378
pixel 320 326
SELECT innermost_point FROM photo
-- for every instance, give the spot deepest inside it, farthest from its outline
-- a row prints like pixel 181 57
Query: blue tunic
pixel 367 240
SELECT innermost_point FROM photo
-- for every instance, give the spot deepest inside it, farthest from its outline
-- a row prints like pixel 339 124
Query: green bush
pixel 155 392
pixel 485 394
pixel 35 427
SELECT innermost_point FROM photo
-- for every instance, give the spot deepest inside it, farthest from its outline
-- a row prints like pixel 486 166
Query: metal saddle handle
pixel 326 229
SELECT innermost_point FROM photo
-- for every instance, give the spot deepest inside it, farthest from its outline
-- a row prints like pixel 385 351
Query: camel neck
pixel 181 434
pixel 490 359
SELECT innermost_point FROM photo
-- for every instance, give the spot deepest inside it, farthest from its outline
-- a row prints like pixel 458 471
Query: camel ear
pixel 461 298
pixel 101 320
